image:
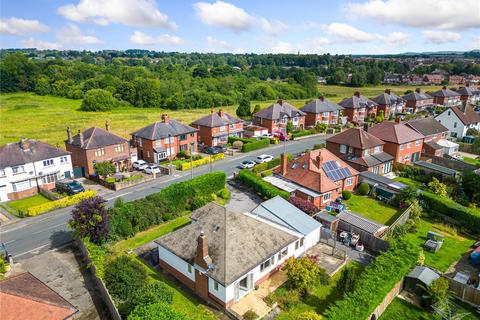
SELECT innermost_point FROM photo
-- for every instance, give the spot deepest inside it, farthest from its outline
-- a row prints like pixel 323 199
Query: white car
pixel 139 165
pixel 151 169
pixel 247 164
pixel 268 135
pixel 264 158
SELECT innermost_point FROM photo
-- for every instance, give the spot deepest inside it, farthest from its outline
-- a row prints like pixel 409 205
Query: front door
pixel 3 193
pixel 415 156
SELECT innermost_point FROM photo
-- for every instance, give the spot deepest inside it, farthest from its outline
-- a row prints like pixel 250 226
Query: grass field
pixel 411 182
pixel 473 161
pixel 23 204
pixel 373 209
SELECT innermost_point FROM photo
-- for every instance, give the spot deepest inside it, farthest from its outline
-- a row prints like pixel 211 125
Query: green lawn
pixel 452 249
pixel 473 161
pixel 23 204
pixel 373 209
pixel 411 182
pixel 400 309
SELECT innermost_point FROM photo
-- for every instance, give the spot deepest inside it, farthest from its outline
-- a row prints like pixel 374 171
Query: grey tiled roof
pixel 466 91
pixel 445 93
pixel 417 96
pixel 387 99
pixel 96 138
pixel 160 129
pixel 12 154
pixel 277 111
pixel 427 126
pixel 355 102
pixel 214 119
pixel 319 106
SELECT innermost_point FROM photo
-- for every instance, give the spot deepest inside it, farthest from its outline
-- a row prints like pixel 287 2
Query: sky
pixel 243 26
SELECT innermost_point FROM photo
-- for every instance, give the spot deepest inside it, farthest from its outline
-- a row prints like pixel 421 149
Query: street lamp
pixel 191 158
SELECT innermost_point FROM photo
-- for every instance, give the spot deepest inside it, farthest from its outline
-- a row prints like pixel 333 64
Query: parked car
pixel 247 164
pixel 152 168
pixel 280 135
pixel 139 165
pixel 267 135
pixel 69 186
pixel 264 158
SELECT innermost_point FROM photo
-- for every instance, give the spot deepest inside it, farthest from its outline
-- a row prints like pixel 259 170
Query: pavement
pixel 30 236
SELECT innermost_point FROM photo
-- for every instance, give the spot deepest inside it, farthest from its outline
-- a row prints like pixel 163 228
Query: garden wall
pixel 386 302
pixel 452 163
pixel 401 220
pixel 121 185
pixel 47 194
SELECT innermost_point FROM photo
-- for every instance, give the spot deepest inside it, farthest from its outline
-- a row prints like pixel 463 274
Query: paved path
pixel 35 235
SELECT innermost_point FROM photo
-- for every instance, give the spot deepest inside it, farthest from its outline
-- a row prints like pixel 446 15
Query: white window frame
pixel 402 146
pixel 64 159
pixel 349 181
pixel 343 149
pixel 378 149
pixel 100 152
pixel 50 178
pixel 283 253
pixel 267 263
pixel 18 169
pixel 326 197
pixel 189 268
pixel 25 185
pixel 215 285
pixel 417 142
pixel 48 163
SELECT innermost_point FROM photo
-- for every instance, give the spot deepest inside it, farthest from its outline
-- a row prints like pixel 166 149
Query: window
pixel 20 186
pixel 325 114
pixel 350 150
pixel 182 137
pixel 215 285
pixel 48 163
pixel 184 147
pixel 378 149
pixel 343 148
pixel 302 241
pixel 299 243
pixel 223 128
pixel 2 172
pixel 349 181
pixel 189 269
pixel 284 120
pixel 454 124
pixel 100 152
pixel 375 169
pixel 18 169
pixel 407 157
pixel 63 159
pixel 267 264
pixel 401 146
pixel 50 178
pixel 169 140
pixel 365 152
pixel 232 125
pixel 283 253
pixel 326 197
pixel 119 148
pixel 409 145
pixel 417 143
pixel 387 167
pixel 449 112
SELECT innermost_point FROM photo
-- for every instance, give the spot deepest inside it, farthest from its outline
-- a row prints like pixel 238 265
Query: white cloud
pixel 135 13
pixel 441 14
pixel 143 39
pixel 440 37
pixel 71 34
pixel 39 44
pixel 216 45
pixel 18 26
pixel 474 44
pixel 348 33
pixel 397 39
pixel 283 47
pixel 273 27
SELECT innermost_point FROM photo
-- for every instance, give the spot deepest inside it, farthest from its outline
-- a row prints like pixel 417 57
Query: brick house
pixel 358 108
pixel 433 131
pixel 222 256
pixel 164 140
pixel 433 78
pixel 456 80
pixel 97 145
pixel 361 150
pixel 215 128
pixel 417 101
pixel 28 165
pixel 469 94
pixel 318 176
pixel 321 110
pixel 276 117
pixel 389 103
pixel 401 141
pixel 446 97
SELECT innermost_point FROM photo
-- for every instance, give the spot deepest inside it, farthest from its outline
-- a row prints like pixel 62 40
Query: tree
pixel 348 278
pixel 124 276
pixel 309 315
pixel 405 197
pixel 98 100
pixel 304 273
pixel 104 169
pixel 289 126
pixel 471 183
pixel 380 117
pixel 243 109
pixel 438 290
pixel 320 127
pixel 256 109
pixel 153 292
pixel 437 187
pixel 156 311
pixel 90 219
pixel 364 188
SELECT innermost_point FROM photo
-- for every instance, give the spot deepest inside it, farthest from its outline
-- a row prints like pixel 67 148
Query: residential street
pixel 35 235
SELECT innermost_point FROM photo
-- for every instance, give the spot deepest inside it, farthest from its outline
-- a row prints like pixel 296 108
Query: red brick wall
pixel 145 151
pixel 272 126
pixel 394 150
pixel 22 194
pixel 182 278
pixel 311 119
pixel 385 108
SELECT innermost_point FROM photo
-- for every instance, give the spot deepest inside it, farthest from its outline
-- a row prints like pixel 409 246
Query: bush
pixel 364 188
pixel 286 298
pixel 237 145
pixel 250 315
pixel 98 100
pixel 302 133
pixel 318 146
pixel 346 194
pixel 156 311
pixel 266 165
pixel 437 187
pixel 308 315
pixel 438 290
pixel 257 144
pixel 90 219
pixel 104 169
pixel 304 205
pixel 153 292
pixel 187 165
pixel 266 173
pixel 304 273
pixel 60 203
pixel 124 276
pixel 405 198
pixel 224 193
pixel 348 278
pixel 258 185
pixel 97 255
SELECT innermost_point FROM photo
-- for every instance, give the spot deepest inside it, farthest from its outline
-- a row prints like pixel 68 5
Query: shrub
pixel 187 165
pixel 90 219
pixel 286 298
pixel 224 193
pixel 266 165
pixel 60 203
pixel 156 311
pixel 266 173
pixel 97 255
pixel 304 205
pixel 257 144
pixel 98 100
pixel 346 194
pixel 250 315
pixel 405 197
pixel 237 145
pixel 104 169
pixel 318 146
pixel 304 273
pixel 124 276
pixel 364 188
pixel 348 278
pixel 258 185
pixel 302 133
pixel 438 290
pixel 437 187
pixel 153 292
pixel 308 315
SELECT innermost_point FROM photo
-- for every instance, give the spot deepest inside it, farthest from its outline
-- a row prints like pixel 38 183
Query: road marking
pixel 52 227
pixel 29 251
pixel 118 195
pixel 10 241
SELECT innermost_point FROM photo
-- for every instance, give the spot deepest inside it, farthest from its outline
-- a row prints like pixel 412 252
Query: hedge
pixel 60 203
pixel 259 185
pixel 266 165
pixel 303 133
pixel 186 165
pixel 244 140
pixel 257 144
pixel 375 282
pixel 469 218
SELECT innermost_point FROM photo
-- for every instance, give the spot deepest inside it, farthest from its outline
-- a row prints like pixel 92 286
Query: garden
pixel 373 209
pixel 20 207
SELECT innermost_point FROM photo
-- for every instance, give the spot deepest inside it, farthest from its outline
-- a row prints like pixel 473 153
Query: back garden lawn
pixel 373 209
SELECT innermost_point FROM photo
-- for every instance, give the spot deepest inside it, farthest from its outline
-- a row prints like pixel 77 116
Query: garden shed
pixel 418 279
pixel 429 167
pixel 381 186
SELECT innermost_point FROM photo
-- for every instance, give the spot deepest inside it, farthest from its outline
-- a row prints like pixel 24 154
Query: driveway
pixel 242 199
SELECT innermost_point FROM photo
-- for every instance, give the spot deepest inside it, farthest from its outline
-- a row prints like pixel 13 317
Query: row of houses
pixel 430 79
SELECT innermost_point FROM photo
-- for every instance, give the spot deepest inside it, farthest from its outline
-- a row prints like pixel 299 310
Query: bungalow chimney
pixel 398 120
pixel 80 136
pixel 24 144
pixel 165 118
pixel 107 125
pixel 319 160
pixel 280 101
pixel 357 94
pixel 321 98
pixel 284 163
pixel 417 90
pixel 69 135
pixel 202 258
pixel 220 112
pixel 388 91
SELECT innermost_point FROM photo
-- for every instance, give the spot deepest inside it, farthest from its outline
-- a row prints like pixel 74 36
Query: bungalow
pixel 458 119
pixel 401 141
pixel 469 94
pixel 446 97
pixel 321 110
pixel 433 78
pixel 417 101
pixel 164 140
pixel 433 131
pixel 215 128
pixel 361 150
pixel 358 108
pixel 389 103
pixel 276 117
pixel 28 165
pixel 98 145
pixel 223 255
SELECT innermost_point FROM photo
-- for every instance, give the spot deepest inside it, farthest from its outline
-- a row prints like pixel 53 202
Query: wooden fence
pixel 387 300
pixel 452 163
pixel 401 220
pixel 465 292
pixel 370 241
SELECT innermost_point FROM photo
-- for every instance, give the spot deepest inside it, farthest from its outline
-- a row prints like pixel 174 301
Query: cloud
pixel 18 26
pixel 273 27
pixel 397 39
pixel 143 39
pixel 348 33
pixel 215 45
pixel 474 44
pixel 134 13
pixel 283 47
pixel 433 14
pixel 71 34
pixel 440 37
pixel 39 44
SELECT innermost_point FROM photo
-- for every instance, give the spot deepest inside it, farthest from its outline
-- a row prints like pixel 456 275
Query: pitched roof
pixel 444 92
pixel 95 137
pixel 162 129
pixel 382 180
pixel 395 132
pixel 12 154
pixel 282 212
pixel 278 110
pixel 216 119
pixel 307 171
pixel 466 114
pixel 435 167
pixel 361 222
pixel 237 242
pixel 387 98
pixel 370 160
pixel 26 297
pixel 357 102
pixel 466 91
pixel 356 138
pixel 427 126
pixel 321 105
pixel 417 96
pixel 424 274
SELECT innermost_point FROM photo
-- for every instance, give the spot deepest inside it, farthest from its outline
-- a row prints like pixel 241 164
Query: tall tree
pixel 90 219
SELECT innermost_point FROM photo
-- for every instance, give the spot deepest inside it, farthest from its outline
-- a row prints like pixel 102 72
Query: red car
pixel 280 135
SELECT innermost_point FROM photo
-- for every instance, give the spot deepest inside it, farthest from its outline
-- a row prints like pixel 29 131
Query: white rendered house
pixel 459 119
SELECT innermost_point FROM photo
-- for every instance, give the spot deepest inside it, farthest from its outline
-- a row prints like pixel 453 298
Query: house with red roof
pixel 433 78
pixel 215 128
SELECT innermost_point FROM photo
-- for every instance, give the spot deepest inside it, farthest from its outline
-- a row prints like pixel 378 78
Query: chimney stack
pixel 80 136
pixel 202 258
pixel 464 106
pixel 417 90
pixel 165 118
pixel 280 102
pixel 321 98
pixel 319 160
pixel 24 144
pixel 357 94
pixel 284 163
pixel 69 135
pixel 365 126
pixel 107 125
pixel 220 112
pixel 444 88
pixel 398 120
pixel 388 91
